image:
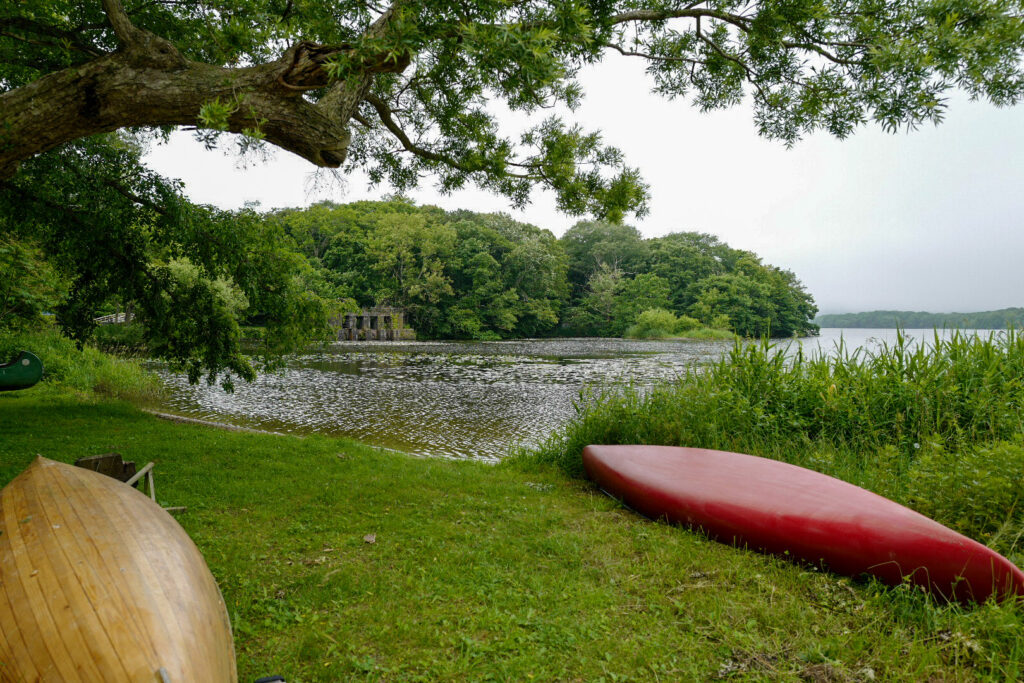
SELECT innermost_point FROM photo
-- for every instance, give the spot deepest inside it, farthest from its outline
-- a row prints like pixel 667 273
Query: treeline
pixel 1001 319
pixel 461 274
pixel 615 274
pixel 457 274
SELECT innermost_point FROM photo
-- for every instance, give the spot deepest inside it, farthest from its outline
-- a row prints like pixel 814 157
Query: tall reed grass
pixel 904 419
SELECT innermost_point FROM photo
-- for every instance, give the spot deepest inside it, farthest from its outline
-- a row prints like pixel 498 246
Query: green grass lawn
pixel 493 573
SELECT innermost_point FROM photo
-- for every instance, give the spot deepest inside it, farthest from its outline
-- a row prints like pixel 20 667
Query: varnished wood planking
pixel 73 579
pixel 87 644
pixel 159 576
pixel 131 592
pixel 115 621
pixel 97 583
pixel 20 568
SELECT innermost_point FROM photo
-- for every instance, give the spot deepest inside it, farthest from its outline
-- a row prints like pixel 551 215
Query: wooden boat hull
pixel 781 509
pixel 98 583
pixel 21 373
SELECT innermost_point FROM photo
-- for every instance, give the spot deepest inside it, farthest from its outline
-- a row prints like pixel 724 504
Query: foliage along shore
pixel 519 572
pixel 657 323
pixel 86 373
pixel 1002 319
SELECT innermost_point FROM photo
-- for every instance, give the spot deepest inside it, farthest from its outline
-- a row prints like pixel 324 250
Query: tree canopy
pixel 404 90
pixel 615 275
pixel 456 274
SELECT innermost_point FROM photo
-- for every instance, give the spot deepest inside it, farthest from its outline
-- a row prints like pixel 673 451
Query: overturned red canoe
pixel 784 509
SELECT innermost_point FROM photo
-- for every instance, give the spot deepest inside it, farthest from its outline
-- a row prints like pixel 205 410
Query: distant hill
pixel 984 320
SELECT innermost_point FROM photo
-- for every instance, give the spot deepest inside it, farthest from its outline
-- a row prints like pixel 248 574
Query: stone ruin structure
pixel 383 323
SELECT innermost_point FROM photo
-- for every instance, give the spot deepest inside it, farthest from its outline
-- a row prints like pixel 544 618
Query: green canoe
pixel 21 373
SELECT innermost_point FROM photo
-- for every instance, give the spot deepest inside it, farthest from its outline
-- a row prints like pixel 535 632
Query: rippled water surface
pixel 450 399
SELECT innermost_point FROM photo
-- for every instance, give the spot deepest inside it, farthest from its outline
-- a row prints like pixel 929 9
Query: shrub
pixel 685 323
pixel 120 339
pixel 721 322
pixel 710 333
pixel 653 323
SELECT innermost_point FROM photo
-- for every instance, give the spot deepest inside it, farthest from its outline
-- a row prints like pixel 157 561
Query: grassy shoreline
pixel 493 573
pixel 524 571
pixel 940 429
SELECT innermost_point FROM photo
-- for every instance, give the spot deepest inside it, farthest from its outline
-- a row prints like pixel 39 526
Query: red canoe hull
pixel 779 508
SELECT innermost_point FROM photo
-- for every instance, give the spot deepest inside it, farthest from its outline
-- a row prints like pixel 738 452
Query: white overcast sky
pixel 926 220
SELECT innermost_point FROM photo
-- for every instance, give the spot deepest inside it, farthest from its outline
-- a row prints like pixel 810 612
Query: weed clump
pixel 978 490
pixel 654 323
pixel 658 323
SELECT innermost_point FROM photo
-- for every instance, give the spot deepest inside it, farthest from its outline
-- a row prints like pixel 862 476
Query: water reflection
pixel 456 399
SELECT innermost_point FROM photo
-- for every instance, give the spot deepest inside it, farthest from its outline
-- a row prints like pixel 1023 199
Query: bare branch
pixel 72 38
pixel 811 47
pixel 384 112
pixel 131 196
pixel 24 39
pixel 287 11
pixel 751 75
pixel 741 22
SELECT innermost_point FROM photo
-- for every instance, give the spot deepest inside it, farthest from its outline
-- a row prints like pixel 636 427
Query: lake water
pixel 457 399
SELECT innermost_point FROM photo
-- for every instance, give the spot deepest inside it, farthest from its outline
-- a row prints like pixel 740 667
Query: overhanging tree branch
pixel 148 82
pixel 885 60
pixel 650 57
pixel 743 23
pixel 384 114
pixel 751 77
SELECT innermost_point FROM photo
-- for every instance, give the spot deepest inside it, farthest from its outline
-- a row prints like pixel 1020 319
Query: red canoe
pixel 780 508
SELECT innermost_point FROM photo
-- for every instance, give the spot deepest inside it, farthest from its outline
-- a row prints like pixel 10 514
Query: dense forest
pixel 461 274
pixel 984 320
